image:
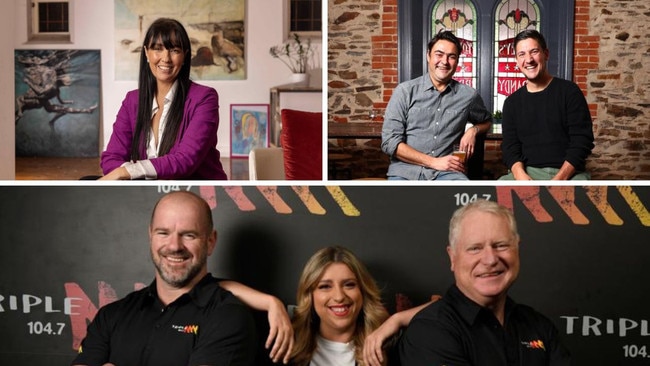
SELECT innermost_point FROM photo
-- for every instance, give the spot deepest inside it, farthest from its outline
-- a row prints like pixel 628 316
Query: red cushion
pixel 302 140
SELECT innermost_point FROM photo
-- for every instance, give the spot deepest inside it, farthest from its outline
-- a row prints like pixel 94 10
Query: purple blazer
pixel 193 156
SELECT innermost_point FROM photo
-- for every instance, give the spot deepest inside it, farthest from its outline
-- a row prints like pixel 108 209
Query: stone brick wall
pixel 362 72
pixel 611 66
pixel 358 54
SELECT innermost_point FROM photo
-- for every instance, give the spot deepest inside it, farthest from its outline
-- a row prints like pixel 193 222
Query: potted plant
pixel 295 54
pixel 496 121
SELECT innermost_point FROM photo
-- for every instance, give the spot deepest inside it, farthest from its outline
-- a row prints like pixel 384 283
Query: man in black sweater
pixel 547 128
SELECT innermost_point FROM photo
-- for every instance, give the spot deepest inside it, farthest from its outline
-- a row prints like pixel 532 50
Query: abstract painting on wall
pixel 215 27
pixel 57 98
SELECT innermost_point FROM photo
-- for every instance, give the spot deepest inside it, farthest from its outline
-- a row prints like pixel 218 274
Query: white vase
pixel 299 79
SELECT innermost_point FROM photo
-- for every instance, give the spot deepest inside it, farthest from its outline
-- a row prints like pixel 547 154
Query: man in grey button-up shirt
pixel 426 116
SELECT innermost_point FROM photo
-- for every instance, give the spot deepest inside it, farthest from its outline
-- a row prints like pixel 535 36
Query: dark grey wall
pixel 576 262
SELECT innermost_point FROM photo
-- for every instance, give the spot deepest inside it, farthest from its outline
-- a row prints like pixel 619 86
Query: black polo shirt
pixel 456 331
pixel 206 326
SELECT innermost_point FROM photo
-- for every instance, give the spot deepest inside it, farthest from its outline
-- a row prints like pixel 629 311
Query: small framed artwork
pixel 249 128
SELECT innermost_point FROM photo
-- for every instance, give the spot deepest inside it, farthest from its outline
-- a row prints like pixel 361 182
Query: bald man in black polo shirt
pixel 476 323
pixel 183 317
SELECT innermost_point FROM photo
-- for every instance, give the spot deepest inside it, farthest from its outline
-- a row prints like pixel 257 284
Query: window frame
pixel 413 20
pixel 515 76
pixel 34 36
pixel 303 34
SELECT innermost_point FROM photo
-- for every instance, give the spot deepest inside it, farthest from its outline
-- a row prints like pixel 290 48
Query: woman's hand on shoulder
pixel 280 332
pixel 373 352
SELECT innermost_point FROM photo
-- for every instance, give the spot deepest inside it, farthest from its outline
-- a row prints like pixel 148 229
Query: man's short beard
pixel 183 279
pixel 180 282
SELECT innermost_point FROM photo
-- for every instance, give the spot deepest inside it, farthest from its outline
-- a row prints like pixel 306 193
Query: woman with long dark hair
pixel 167 128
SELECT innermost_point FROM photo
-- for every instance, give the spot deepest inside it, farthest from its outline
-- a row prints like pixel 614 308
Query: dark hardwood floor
pixel 41 168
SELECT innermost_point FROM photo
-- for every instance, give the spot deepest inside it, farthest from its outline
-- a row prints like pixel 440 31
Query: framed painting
pixel 249 128
pixel 215 27
pixel 57 100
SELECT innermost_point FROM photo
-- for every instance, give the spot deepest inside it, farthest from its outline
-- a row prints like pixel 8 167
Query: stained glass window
pixel 511 17
pixel 459 16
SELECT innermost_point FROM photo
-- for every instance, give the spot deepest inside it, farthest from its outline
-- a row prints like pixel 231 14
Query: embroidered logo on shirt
pixel 538 344
pixel 189 329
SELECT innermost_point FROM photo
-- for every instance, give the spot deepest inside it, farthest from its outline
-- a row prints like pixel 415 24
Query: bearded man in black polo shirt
pixel 476 323
pixel 183 317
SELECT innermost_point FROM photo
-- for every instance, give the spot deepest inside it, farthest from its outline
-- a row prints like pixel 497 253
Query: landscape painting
pixel 215 27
